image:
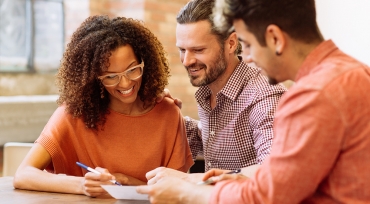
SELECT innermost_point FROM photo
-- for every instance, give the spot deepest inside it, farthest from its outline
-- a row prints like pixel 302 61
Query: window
pixel 31 35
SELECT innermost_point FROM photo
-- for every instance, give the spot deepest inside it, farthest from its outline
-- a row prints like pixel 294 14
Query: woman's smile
pixel 127 91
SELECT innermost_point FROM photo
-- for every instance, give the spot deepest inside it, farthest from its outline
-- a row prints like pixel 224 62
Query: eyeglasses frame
pixel 141 65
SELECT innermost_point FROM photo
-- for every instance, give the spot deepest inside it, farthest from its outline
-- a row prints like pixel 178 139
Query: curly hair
pixel 87 57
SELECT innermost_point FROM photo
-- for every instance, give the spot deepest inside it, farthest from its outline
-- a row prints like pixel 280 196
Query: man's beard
pixel 215 71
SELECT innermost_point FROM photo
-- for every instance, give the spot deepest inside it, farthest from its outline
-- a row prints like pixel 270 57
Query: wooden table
pixel 10 195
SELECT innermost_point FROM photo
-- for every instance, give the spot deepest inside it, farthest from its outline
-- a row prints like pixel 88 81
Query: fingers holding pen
pixel 93 181
pixel 105 174
pixel 213 173
pixel 100 174
pixel 216 175
pixel 92 188
pixel 223 177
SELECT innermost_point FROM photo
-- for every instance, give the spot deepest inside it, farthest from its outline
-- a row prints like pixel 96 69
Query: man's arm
pixel 176 190
pixel 194 135
pixel 261 118
pixel 306 147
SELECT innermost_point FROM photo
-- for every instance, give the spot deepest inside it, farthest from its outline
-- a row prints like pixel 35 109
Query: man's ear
pixel 275 39
pixel 232 43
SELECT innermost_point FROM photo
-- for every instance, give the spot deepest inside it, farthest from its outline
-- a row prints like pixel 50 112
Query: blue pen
pixel 95 171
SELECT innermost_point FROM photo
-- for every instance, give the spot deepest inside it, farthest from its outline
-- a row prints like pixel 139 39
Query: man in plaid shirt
pixel 236 104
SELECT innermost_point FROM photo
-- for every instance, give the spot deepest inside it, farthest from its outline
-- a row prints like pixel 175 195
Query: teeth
pixel 193 70
pixel 126 92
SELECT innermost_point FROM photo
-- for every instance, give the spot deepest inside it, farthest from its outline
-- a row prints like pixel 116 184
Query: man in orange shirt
pixel 320 152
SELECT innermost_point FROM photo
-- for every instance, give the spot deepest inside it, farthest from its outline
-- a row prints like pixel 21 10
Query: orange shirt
pixel 321 148
pixel 132 145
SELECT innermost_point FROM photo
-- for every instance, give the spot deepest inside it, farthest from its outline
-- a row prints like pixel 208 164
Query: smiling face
pixel 200 52
pixel 125 93
pixel 263 57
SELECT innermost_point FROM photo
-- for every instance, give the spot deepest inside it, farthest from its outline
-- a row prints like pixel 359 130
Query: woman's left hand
pixel 128 180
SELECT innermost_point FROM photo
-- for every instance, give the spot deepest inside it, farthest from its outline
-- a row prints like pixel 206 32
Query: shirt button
pixel 212 133
pixel 209 164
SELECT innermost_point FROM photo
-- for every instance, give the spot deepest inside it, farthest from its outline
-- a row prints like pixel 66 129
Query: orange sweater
pixel 132 145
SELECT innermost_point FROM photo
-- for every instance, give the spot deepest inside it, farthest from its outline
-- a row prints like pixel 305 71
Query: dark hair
pixel 87 57
pixel 295 17
pixel 200 10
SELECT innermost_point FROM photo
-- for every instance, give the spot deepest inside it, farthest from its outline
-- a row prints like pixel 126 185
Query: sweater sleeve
pixel 54 138
pixel 181 158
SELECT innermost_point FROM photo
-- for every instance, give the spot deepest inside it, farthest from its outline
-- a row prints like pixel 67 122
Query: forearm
pixel 31 178
pixel 194 177
pixel 198 194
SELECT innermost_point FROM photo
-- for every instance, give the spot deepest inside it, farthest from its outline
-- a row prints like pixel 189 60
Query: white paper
pixel 124 192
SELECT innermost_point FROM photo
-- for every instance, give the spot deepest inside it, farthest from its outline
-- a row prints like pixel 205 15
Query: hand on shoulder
pixel 166 93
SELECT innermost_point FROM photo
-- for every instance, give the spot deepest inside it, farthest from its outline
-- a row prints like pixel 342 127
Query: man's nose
pixel 188 59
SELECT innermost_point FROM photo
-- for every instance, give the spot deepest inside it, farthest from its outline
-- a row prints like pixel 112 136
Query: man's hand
pixel 214 173
pixel 176 190
pixel 166 93
pixel 219 175
pixel 155 175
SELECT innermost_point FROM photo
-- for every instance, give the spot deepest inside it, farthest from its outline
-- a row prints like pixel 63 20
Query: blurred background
pixel 34 34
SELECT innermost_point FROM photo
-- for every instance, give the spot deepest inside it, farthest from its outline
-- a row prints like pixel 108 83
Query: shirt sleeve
pixel 303 154
pixel 194 135
pixel 261 119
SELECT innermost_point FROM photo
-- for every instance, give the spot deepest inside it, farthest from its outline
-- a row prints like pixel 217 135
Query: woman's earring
pixel 101 91
pixel 278 53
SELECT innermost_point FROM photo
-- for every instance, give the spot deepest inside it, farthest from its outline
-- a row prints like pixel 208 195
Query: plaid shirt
pixel 238 131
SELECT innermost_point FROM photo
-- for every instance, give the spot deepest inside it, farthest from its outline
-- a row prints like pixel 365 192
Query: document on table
pixel 124 192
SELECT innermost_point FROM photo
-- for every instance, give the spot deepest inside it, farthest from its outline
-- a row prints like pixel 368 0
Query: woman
pixel 111 74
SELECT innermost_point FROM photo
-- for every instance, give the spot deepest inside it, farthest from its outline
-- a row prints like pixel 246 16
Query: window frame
pixel 30 36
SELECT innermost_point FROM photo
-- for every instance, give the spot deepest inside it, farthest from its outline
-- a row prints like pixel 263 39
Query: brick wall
pixel 160 17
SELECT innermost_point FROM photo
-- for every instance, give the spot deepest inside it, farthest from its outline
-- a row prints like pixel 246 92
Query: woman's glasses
pixel 132 73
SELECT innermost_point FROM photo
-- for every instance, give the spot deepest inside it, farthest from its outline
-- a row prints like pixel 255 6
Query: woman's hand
pixel 128 180
pixel 92 182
